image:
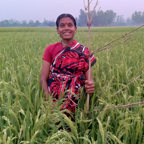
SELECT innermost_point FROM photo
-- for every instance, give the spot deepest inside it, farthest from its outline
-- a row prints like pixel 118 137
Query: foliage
pixel 24 23
pixel 82 20
pixel 101 18
pixel 138 17
pixel 26 118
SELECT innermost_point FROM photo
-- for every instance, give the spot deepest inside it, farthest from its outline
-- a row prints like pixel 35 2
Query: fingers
pixel 89 86
pixel 46 96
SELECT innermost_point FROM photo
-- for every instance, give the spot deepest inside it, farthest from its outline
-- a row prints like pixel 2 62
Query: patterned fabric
pixel 68 74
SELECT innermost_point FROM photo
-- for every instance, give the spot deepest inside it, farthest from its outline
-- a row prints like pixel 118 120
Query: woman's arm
pixel 89 83
pixel 44 77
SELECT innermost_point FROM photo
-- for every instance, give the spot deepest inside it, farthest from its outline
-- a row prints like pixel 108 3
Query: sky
pixel 50 9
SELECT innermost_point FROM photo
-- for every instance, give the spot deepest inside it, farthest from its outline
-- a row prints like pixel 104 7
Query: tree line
pixel 100 18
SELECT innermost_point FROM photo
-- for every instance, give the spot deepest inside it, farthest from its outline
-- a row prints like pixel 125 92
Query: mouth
pixel 66 33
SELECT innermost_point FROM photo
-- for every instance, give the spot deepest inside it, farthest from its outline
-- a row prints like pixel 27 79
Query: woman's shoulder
pixel 53 45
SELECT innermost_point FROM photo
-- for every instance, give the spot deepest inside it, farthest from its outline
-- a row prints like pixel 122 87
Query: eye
pixel 70 24
pixel 61 25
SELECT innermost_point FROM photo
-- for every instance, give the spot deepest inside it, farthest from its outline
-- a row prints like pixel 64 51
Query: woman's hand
pixel 89 86
pixel 46 96
pixel 44 77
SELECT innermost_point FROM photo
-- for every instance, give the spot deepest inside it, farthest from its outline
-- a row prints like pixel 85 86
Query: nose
pixel 66 26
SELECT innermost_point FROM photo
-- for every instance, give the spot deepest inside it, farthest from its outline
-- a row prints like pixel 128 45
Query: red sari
pixel 68 74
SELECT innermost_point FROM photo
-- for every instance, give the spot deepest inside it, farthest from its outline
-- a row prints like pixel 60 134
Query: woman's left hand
pixel 89 86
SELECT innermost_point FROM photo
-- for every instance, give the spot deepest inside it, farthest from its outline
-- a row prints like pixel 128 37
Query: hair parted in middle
pixel 64 16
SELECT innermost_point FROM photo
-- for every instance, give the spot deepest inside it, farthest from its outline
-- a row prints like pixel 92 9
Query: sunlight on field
pixel 26 118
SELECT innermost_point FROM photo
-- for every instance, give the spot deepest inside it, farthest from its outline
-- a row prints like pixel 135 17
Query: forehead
pixel 66 20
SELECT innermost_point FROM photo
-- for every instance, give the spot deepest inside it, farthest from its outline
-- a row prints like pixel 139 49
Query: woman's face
pixel 66 29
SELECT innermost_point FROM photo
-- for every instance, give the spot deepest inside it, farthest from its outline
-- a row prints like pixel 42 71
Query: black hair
pixel 63 16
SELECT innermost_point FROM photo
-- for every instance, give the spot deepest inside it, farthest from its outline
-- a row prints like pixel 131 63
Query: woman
pixel 66 65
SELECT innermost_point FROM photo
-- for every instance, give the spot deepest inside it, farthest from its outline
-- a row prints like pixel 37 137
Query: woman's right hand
pixel 44 77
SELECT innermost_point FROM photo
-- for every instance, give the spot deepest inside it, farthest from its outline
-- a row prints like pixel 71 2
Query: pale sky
pixel 50 9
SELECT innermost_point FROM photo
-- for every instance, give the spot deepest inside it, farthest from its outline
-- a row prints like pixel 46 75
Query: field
pixel 116 108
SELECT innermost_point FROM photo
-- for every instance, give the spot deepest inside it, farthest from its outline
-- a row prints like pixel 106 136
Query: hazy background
pixel 50 9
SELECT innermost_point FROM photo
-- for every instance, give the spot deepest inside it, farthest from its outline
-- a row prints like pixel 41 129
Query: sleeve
pixel 47 56
pixel 89 57
pixel 92 59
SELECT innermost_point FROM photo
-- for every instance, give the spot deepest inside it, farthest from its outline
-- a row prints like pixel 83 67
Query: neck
pixel 66 43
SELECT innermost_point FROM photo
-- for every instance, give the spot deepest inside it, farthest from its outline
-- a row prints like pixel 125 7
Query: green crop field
pixel 116 108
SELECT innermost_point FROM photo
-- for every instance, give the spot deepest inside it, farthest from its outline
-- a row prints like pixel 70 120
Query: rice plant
pixel 115 116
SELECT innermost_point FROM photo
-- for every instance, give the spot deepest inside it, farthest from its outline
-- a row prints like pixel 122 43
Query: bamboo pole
pixel 89 35
pixel 89 21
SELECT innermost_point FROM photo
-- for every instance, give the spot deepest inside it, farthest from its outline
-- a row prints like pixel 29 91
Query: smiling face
pixel 66 29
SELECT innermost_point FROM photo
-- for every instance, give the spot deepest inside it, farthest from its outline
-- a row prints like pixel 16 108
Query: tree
pixel 102 18
pixel 109 17
pixel 24 23
pixel 98 19
pixel 37 23
pixel 82 20
pixel 31 23
pixel 120 21
pixel 138 17
pixel 9 23
pixel 48 23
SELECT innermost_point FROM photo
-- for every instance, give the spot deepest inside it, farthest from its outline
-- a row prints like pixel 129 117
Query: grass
pixel 26 118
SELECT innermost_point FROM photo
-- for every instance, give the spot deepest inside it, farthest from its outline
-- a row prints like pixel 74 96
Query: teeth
pixel 66 33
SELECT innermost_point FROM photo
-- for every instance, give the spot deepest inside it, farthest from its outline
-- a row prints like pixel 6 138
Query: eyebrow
pixel 67 23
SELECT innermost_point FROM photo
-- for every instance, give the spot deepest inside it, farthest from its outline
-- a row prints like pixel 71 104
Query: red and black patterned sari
pixel 68 74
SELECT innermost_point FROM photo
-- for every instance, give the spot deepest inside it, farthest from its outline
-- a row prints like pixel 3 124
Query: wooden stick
pixel 89 21
pixel 89 35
